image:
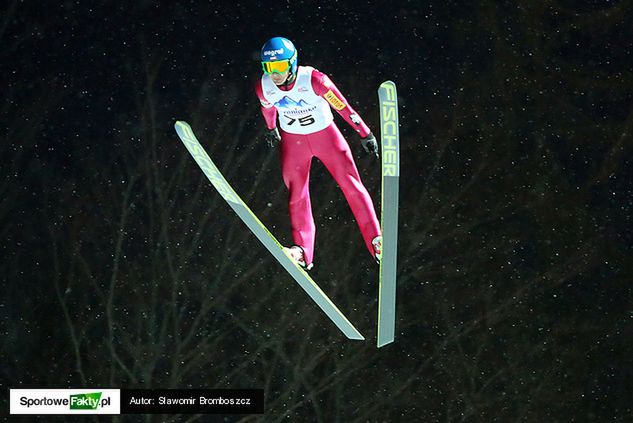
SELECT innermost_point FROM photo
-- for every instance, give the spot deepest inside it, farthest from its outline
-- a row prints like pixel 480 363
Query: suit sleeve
pixel 268 110
pixel 324 87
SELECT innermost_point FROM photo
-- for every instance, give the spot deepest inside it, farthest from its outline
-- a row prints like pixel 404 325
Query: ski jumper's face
pixel 279 78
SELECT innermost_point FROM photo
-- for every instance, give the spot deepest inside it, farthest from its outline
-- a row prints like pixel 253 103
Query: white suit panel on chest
pixel 301 110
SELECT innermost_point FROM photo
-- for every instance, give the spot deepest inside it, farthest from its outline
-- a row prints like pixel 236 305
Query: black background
pixel 121 267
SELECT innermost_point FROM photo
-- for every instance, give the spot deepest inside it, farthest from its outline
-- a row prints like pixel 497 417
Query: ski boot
pixel 377 244
pixel 296 253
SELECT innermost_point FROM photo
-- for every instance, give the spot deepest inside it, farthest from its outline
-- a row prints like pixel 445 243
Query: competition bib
pixel 301 110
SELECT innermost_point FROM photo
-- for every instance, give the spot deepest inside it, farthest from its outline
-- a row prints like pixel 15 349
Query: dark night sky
pixel 94 53
pixel 516 199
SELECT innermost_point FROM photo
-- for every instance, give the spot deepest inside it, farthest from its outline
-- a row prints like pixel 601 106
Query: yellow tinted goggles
pixel 279 66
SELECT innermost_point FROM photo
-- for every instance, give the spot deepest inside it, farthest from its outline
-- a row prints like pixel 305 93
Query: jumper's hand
pixel 272 137
pixel 370 145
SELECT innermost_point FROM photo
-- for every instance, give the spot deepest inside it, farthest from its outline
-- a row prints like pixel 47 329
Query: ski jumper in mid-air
pixel 302 98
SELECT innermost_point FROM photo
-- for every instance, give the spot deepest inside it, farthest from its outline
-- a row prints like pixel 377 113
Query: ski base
pixel 390 149
pixel 261 232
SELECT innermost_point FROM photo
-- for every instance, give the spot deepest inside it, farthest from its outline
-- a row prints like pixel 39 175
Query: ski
pixel 216 178
pixel 390 142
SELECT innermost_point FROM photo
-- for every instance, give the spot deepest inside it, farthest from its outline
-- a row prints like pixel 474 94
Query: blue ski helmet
pixel 279 49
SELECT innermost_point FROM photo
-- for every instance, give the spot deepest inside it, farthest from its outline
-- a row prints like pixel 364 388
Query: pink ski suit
pixel 308 130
